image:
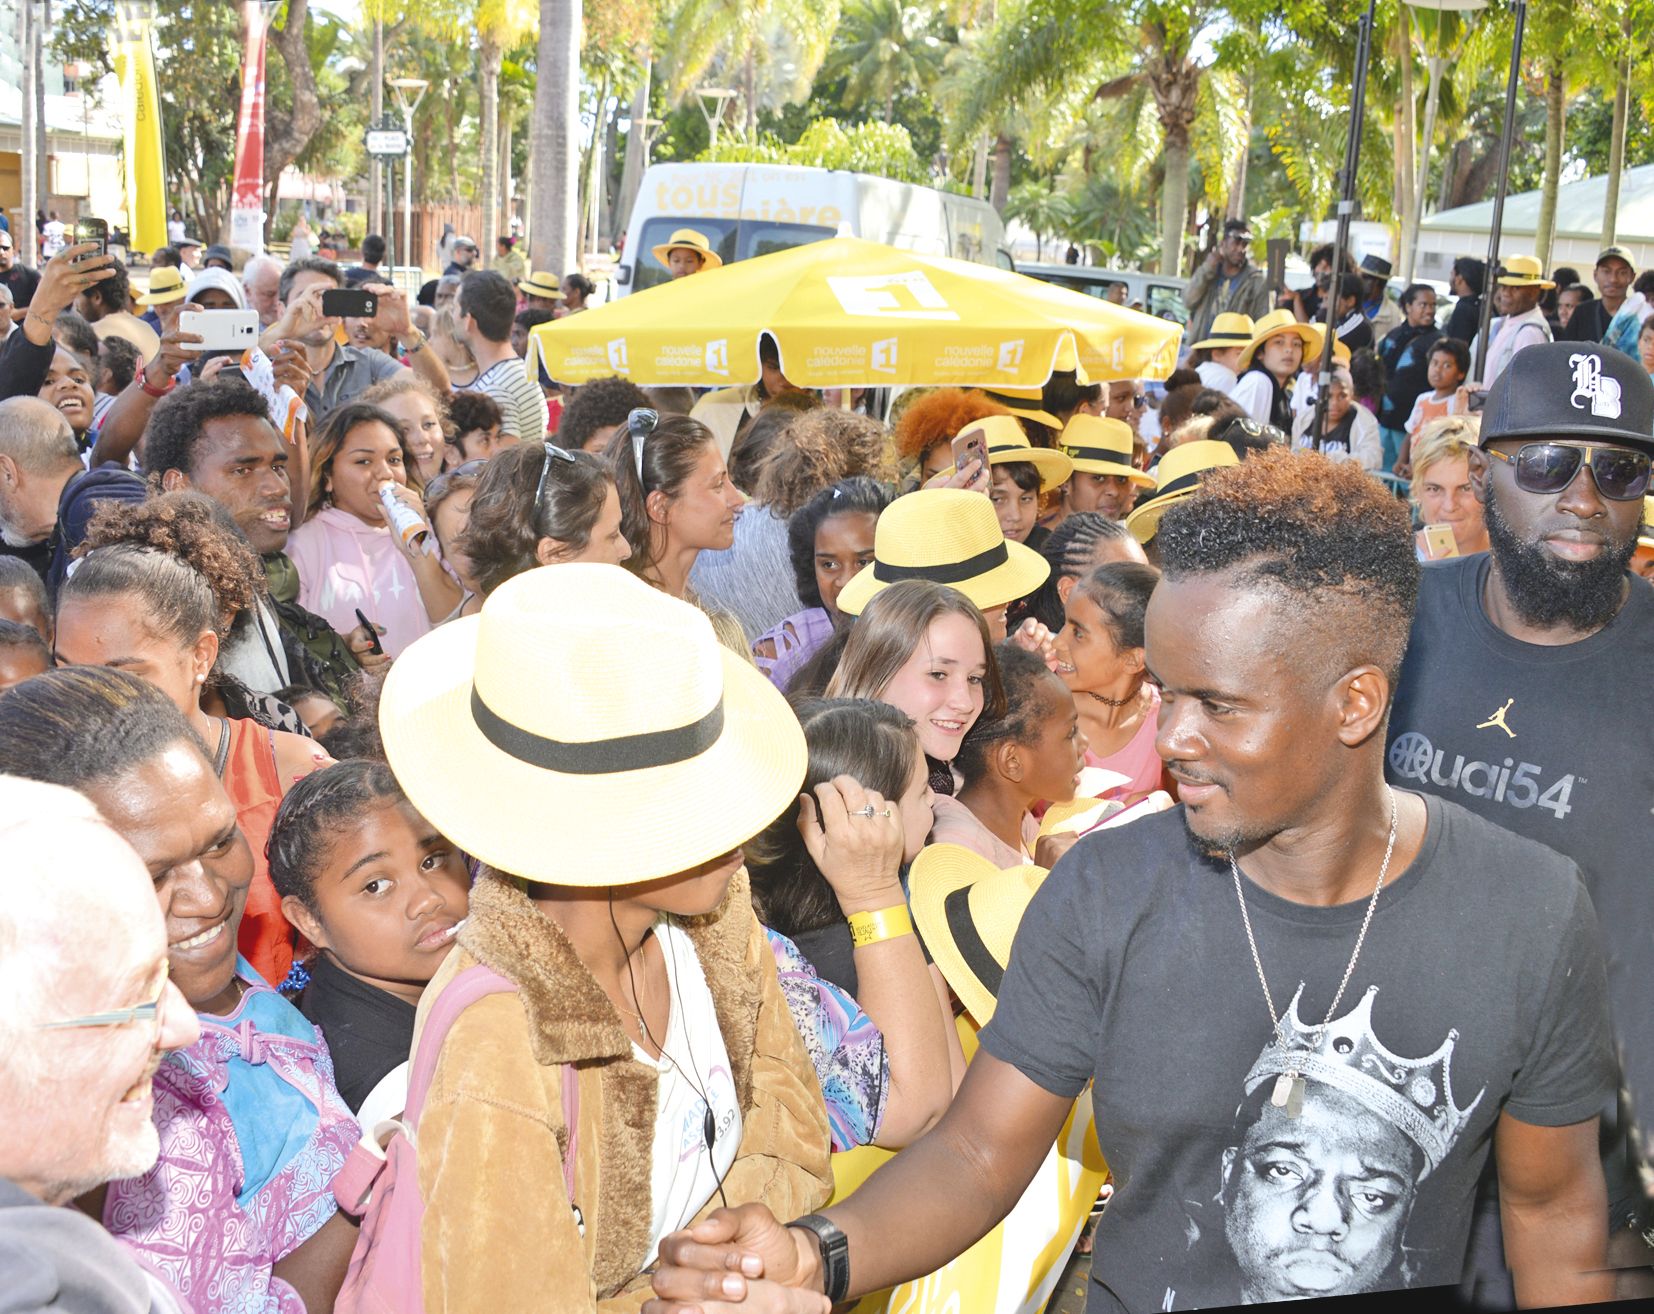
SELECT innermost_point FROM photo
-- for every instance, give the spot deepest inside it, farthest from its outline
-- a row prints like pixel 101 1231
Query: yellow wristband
pixel 881 924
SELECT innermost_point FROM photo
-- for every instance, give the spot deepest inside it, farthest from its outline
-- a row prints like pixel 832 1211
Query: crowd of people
pixel 544 794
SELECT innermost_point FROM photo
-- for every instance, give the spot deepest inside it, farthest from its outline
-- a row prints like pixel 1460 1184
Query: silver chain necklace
pixel 1289 1086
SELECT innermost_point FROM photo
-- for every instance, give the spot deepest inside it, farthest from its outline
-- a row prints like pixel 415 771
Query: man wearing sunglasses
pixel 1521 693
pixel 89 1015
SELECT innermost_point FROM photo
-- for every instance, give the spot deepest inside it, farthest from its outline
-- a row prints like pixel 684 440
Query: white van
pixel 753 209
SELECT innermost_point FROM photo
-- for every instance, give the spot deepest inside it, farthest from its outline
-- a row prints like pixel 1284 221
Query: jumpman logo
pixel 1498 719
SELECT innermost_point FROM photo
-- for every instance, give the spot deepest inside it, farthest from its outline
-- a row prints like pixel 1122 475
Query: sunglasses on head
pixel 438 487
pixel 1621 473
pixel 639 425
pixel 553 453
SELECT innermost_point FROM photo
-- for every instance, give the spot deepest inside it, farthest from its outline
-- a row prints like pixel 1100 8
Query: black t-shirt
pixel 20 281
pixel 368 1031
pixel 1479 991
pixel 1555 743
pixel 1589 323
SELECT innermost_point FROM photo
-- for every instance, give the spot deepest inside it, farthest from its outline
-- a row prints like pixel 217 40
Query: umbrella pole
pixel 1489 281
pixel 1346 210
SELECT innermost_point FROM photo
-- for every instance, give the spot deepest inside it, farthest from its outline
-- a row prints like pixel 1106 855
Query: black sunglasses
pixel 639 425
pixel 553 453
pixel 1621 473
pixel 438 488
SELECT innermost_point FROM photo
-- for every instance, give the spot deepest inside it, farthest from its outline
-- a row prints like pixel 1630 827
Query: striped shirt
pixel 521 402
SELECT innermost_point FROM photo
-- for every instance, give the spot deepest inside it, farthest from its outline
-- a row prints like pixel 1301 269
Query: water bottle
pixel 404 521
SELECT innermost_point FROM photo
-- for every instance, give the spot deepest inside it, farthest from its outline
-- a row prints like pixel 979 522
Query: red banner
pixel 247 203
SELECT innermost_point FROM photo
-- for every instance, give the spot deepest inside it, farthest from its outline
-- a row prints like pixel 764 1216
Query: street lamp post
pixel 713 100
pixel 409 92
pixel 1438 63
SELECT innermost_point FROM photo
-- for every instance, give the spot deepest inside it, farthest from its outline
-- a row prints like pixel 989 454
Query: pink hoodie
pixel 345 563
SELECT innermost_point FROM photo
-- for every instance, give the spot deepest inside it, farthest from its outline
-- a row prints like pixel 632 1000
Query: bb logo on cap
pixel 1590 386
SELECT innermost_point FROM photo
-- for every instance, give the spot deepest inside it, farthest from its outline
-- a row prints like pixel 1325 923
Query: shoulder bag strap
pixel 459 994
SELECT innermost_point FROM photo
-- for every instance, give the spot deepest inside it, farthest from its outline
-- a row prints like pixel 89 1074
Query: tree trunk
pixel 448 124
pixel 1554 109
pixel 505 208
pixel 749 92
pixel 1236 209
pixel 26 237
pixel 591 183
pixel 631 177
pixel 555 148
pixel 1000 193
pixel 288 132
pixel 42 30
pixel 1616 142
pixel 1405 140
pixel 1422 186
pixel 376 170
pixel 979 170
pixel 1174 80
pixel 489 56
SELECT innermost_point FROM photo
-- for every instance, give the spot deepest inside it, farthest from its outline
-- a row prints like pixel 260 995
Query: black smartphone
pixel 350 302
pixel 373 634
pixel 92 230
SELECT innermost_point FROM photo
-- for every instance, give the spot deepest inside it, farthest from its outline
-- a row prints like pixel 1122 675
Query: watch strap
pixel 835 1254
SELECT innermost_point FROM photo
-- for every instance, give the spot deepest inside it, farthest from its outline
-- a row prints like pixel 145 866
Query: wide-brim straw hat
pixel 541 284
pixel 948 536
pixel 1024 403
pixel 1180 473
pixel 166 285
pixel 1523 271
pixel 1281 321
pixel 652 749
pixel 1099 445
pixel 1645 536
pixel 968 912
pixel 687 239
pixel 1230 329
pixel 1007 443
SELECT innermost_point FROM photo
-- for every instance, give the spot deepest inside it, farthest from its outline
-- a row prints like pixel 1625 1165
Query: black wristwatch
pixel 835 1254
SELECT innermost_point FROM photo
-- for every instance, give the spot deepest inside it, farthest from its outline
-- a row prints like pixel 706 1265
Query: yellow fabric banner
pixel 146 177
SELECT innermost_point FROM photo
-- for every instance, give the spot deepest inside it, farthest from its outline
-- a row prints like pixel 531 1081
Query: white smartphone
pixel 221 330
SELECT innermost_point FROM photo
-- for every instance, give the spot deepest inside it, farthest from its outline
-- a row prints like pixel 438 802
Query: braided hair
pixel 314 811
pixel 1071 549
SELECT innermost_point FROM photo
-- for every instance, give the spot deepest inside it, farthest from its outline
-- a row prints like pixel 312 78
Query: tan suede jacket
pixel 498 1234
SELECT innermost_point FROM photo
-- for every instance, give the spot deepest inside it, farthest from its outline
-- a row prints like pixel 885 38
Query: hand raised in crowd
pixel 415 503
pixel 362 646
pixel 1035 636
pixel 974 476
pixel 178 349
pixel 214 367
pixel 63 278
pixel 742 1256
pixel 302 315
pixel 291 366
pixel 855 838
pixel 393 316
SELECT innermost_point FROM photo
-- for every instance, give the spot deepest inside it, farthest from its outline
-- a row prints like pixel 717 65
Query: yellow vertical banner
pixel 146 178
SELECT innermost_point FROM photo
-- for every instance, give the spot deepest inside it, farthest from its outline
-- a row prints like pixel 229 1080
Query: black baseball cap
pixel 1571 390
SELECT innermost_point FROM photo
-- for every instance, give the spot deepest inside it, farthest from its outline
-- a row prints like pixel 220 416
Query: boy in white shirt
pixel 1221 351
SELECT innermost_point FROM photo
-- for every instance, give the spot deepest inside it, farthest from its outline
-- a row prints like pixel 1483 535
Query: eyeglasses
pixel 1249 433
pixel 639 425
pixel 553 453
pixel 117 1018
pixel 442 485
pixel 1621 474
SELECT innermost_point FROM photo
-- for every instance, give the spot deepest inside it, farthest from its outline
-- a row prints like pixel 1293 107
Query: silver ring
pixel 864 812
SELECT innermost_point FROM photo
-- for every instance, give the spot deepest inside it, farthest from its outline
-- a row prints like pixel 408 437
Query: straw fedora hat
pixel 1007 443
pixel 948 536
pixel 1523 271
pixel 659 750
pixel 541 283
pixel 967 910
pixel 1024 403
pixel 1230 329
pixel 166 285
pixel 1180 473
pixel 1282 321
pixel 1645 539
pixel 1098 445
pixel 687 239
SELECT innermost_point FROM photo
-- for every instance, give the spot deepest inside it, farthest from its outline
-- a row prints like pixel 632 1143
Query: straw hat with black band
pixel 687 239
pixel 1277 322
pixel 967 911
pixel 166 285
pixel 1024 403
pixel 1098 445
pixel 541 284
pixel 1230 329
pixel 1007 444
pixel 1180 473
pixel 948 536
pixel 1523 271
pixel 661 751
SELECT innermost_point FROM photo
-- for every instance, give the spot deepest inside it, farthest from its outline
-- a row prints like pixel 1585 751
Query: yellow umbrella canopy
pixel 847 312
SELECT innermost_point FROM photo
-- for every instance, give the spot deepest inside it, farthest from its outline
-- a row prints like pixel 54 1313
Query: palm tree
pixel 1039 205
pixel 553 136
pixel 883 48
pixel 737 34
pixel 500 25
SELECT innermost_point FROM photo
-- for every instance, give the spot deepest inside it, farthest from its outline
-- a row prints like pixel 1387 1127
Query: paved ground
pixel 1068 1297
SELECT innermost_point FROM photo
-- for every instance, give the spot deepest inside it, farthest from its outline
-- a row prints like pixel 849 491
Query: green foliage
pixel 884 149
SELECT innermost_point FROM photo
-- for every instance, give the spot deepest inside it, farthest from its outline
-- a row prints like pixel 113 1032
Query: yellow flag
pixel 146 178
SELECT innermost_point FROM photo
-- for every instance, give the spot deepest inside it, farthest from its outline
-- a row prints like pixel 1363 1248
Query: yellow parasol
pixel 846 312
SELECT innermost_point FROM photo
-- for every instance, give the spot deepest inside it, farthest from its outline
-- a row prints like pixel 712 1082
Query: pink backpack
pixel 381 1185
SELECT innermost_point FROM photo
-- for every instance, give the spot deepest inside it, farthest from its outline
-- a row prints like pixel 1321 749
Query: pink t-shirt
pixel 957 824
pixel 345 564
pixel 1137 759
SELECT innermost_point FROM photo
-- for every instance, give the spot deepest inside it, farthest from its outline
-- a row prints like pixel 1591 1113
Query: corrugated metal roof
pixel 1578 210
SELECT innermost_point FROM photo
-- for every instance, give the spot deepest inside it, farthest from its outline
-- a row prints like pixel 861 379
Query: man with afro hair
pixel 596 410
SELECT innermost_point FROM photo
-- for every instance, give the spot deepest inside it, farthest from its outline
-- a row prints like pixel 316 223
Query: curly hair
pixel 1025 678
pixel 171 552
pixel 598 405
pixel 823 447
pixel 314 810
pixel 856 495
pixel 506 525
pixel 936 418
pixel 175 426
pixel 1325 535
pixel 470 411
pixel 759 436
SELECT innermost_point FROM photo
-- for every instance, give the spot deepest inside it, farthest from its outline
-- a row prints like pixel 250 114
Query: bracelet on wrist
pixel 881 924
pixel 143 382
